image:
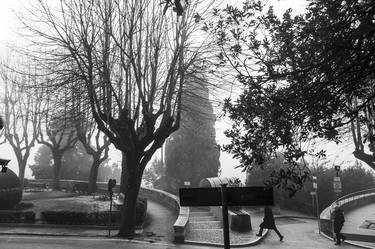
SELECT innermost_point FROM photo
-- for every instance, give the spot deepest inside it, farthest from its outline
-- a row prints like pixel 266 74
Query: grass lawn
pixel 63 201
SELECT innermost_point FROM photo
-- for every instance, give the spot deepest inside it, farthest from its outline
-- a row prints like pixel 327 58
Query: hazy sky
pixel 9 24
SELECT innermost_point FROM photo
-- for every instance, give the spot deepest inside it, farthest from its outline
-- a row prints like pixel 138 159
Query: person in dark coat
pixel 338 223
pixel 269 223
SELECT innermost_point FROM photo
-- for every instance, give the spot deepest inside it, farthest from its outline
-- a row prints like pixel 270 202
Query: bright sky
pixel 9 24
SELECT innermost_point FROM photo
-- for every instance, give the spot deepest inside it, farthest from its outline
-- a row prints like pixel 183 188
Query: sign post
pixel 225 216
pixel 313 193
pixel 224 196
pixel 337 182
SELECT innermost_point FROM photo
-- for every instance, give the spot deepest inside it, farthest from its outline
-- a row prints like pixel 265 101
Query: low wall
pixel 346 204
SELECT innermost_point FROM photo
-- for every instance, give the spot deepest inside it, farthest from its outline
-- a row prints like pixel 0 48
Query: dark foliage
pixel 17 216
pixel 191 153
pixel 303 76
pixel 76 165
pixel 353 178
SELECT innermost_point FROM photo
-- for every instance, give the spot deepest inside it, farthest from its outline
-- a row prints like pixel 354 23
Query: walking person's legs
pixel 279 234
pixel 260 232
pixel 338 238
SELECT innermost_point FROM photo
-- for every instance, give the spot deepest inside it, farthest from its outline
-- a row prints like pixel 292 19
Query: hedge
pixel 93 218
pixel 17 217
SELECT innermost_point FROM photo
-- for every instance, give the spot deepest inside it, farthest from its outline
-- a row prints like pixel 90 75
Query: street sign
pixel 236 196
pixel 315 184
pixel 337 184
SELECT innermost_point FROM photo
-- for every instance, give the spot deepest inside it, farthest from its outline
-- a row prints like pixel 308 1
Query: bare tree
pixel 93 140
pixel 56 129
pixel 132 60
pixel 20 114
pixel 96 145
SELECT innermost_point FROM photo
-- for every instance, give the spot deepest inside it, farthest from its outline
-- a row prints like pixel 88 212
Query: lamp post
pixel 337 182
pixel 111 185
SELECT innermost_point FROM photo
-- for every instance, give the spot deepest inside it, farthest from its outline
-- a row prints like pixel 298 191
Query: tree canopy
pixel 304 77
pixel 128 62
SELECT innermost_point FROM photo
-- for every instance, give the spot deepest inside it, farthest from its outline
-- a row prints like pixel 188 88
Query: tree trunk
pixel 21 165
pixel 123 173
pixel 369 159
pixel 57 158
pixel 131 177
pixel 93 176
pixel 21 174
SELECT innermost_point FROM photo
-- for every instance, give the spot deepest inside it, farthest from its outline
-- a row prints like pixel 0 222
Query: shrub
pixel 17 217
pixel 81 187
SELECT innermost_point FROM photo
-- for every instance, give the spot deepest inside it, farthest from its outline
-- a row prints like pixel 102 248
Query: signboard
pixel 315 184
pixel 186 183
pixel 236 196
pixel 337 184
pixel 200 196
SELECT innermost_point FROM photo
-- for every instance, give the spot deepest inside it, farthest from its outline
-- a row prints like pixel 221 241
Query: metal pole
pixel 313 206
pixel 224 204
pixel 317 209
pixel 110 214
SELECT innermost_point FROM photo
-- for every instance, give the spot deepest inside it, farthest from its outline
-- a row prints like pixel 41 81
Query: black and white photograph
pixel 187 124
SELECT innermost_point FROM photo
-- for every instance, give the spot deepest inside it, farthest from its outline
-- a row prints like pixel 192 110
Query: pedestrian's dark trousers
pixel 275 229
pixel 339 237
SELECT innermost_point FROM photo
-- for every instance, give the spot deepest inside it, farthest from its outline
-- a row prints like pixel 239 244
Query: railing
pixel 346 202
pixel 354 196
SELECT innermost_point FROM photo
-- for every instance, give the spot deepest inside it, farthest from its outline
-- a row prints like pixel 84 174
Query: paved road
pixel 32 242
pixel 161 222
pixel 298 233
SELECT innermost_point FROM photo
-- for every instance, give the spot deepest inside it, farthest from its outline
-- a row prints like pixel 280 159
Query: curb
pixel 251 243
pixel 347 242
pixel 46 225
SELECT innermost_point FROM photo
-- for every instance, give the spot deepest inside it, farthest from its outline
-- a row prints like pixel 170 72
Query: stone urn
pixel 10 189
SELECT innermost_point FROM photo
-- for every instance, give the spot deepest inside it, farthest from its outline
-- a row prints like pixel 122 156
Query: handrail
pixel 344 202
pixel 353 196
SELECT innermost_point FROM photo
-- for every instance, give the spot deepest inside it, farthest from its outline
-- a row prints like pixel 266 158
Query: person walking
pixel 269 223
pixel 338 223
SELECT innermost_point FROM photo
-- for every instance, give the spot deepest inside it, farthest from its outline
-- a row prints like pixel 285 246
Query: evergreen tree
pixel 192 153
